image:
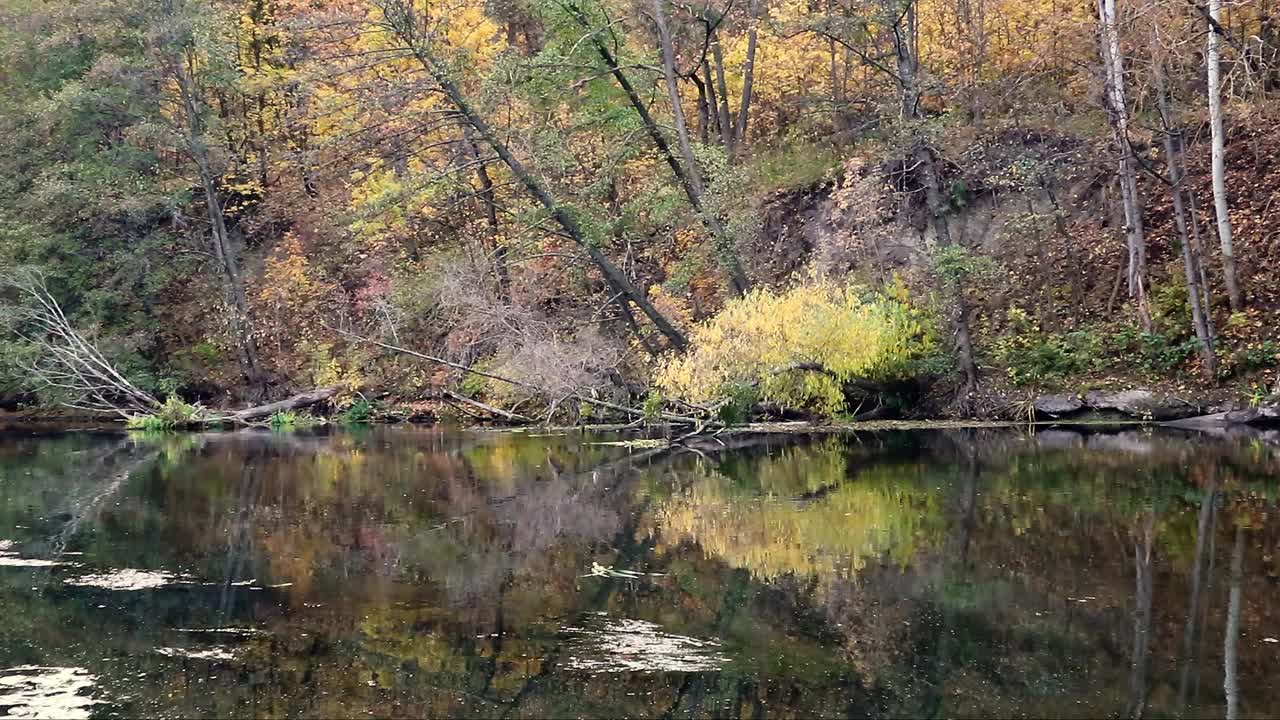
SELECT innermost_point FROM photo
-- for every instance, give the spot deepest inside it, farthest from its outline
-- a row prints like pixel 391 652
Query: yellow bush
pixel 760 340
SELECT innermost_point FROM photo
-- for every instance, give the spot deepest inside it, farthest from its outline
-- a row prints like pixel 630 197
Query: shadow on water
pixel 971 573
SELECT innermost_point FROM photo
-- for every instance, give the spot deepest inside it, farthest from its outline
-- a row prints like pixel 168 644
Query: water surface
pixel 412 573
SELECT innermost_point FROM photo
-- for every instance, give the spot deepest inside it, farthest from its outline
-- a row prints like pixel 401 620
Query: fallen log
pixel 301 400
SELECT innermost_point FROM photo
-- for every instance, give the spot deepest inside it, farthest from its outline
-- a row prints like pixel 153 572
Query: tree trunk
pixel 693 177
pixel 713 99
pixel 935 201
pixel 1174 158
pixel 220 240
pixel 686 173
pixel 301 400
pixel 1197 249
pixel 704 113
pixel 1199 570
pixel 1143 587
pixel 1213 59
pixel 563 217
pixel 748 78
pixel 496 250
pixel 1231 645
pixel 1117 112
pixel 726 120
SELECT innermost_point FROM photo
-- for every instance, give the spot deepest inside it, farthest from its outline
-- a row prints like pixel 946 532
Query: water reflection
pixel 432 573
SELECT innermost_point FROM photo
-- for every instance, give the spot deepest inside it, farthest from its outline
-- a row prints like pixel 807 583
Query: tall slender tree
pixel 1116 102
pixel 1213 69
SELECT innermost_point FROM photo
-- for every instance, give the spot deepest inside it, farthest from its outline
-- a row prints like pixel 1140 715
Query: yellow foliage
pixel 885 513
pixel 759 340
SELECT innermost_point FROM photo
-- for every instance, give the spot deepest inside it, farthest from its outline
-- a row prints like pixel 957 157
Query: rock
pixel 1260 415
pixel 1057 405
pixel 1142 404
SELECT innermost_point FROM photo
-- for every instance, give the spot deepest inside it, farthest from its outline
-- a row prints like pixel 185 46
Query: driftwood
pixel 449 394
pixel 301 400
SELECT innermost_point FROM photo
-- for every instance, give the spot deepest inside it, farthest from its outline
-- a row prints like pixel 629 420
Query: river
pixel 431 572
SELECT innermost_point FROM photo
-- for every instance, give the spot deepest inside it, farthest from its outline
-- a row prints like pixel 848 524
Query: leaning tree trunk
pixel 1118 113
pixel 1213 58
pixel 614 277
pixel 686 174
pixel 223 247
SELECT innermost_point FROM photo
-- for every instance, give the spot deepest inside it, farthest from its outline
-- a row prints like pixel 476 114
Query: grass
pixel 792 165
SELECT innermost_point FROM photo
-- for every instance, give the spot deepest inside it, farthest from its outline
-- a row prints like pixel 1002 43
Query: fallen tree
pixel 72 365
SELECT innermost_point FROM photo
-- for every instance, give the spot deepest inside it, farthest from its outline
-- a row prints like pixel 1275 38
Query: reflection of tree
pixel 1202 567
pixel 1231 646
pixel 1143 550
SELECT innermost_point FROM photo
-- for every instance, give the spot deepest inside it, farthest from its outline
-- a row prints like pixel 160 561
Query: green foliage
pixel 473 385
pixel 359 412
pixel 652 406
pixel 1152 352
pixel 1170 308
pixel 1255 356
pixel 955 263
pixel 290 420
pixel 736 407
pixel 1031 356
pixel 171 415
pixel 792 164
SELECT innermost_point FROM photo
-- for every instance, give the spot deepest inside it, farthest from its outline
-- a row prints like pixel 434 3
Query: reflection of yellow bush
pixel 880 514
pixel 846 330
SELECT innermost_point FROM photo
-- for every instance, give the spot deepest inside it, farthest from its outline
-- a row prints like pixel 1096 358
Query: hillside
pixel 588 210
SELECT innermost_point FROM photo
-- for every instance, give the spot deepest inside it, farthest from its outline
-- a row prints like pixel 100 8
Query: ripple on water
pixel 31 691
pixel 127 579
pixel 10 558
pixel 214 654
pixel 623 645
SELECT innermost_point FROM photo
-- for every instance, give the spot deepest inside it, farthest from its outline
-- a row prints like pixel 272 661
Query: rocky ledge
pixel 1129 404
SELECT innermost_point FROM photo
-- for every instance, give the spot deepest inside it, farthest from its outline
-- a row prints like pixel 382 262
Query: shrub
pixel 1255 356
pixel 1031 356
pixel 359 412
pixel 290 420
pixel 769 342
pixel 174 413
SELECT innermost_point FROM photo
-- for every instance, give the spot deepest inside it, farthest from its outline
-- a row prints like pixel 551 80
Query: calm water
pixel 434 573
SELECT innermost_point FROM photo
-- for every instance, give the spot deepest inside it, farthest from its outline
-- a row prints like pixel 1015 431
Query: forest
pixel 587 210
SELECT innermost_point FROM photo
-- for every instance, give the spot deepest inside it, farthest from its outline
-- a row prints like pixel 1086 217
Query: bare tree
pixel 1118 113
pixel 748 78
pixel 67 361
pixel 1213 62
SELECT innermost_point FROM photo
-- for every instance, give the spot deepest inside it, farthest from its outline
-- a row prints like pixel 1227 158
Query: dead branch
pixel 579 396
pixel 68 361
